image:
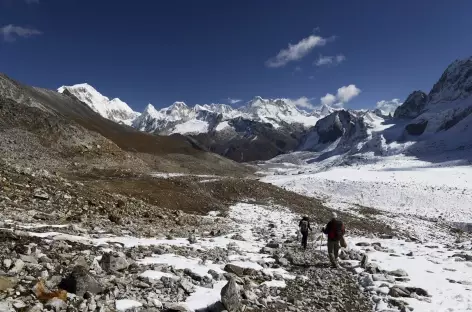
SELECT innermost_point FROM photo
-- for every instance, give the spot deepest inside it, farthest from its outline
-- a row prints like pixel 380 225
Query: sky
pixel 346 53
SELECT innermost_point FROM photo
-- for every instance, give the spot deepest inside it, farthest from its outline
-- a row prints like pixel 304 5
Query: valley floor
pixel 419 198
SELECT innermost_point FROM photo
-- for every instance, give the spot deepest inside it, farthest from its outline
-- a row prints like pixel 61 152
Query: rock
pixel 36 308
pixel 363 244
pixel 273 245
pixel 214 274
pixel 56 304
pixel 193 275
pixel 418 291
pixel 372 268
pixel 7 263
pixel 112 262
pixel 410 254
pixel 364 261
pixel 18 304
pixel 399 291
pixel 156 303
pixel 176 307
pixel 230 296
pixel 398 273
pixel 18 266
pixel 192 239
pixel 41 195
pixel 283 261
pixel 6 306
pixel 113 217
pixel 187 286
pixel 366 281
pixel 29 259
pixel 232 268
pixel 7 283
pixel 379 278
pixel 80 281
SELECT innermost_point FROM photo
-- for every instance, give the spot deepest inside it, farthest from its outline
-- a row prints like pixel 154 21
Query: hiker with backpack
pixel 335 231
pixel 304 226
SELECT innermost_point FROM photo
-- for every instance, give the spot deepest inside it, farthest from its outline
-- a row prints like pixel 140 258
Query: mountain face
pixel 448 103
pixel 44 129
pixel 276 125
pixel 115 109
pixel 412 106
pixel 339 130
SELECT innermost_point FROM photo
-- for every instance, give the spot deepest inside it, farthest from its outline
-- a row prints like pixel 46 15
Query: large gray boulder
pixel 112 262
pixel 80 281
pixel 230 296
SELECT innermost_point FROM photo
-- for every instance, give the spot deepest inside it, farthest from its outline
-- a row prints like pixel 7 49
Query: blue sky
pixel 209 51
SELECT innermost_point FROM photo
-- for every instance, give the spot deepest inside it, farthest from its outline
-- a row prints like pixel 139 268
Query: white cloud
pixel 10 32
pixel 296 51
pixel 330 60
pixel 344 95
pixel 388 107
pixel 233 101
pixel 347 93
pixel 328 99
pixel 302 102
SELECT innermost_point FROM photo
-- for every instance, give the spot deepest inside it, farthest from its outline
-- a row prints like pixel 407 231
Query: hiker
pixel 304 226
pixel 335 231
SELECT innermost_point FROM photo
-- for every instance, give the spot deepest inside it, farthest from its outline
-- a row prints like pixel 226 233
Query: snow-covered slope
pixel 114 109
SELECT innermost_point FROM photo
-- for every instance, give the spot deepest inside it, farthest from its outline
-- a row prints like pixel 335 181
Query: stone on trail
pixel 18 266
pixel 363 244
pixel 56 304
pixel 40 194
pixel 239 271
pixel 230 296
pixel 364 261
pixel 399 291
pixel 398 273
pixel 366 280
pixel 81 281
pixel 7 283
pixel 112 262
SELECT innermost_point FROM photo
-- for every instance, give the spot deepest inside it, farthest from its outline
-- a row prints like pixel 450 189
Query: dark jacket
pixel 305 219
pixel 335 230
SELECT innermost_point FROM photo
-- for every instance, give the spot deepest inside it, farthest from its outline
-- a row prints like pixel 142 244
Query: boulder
pixel 399 291
pixel 398 273
pixel 80 281
pixel 366 280
pixel 112 262
pixel 18 266
pixel 418 291
pixel 7 282
pixel 56 304
pixel 230 296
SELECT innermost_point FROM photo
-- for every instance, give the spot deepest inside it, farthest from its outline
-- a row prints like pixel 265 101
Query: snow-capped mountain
pixel 276 112
pixel 424 123
pixel 114 109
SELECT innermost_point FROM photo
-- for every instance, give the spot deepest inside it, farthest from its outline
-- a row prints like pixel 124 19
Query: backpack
pixel 336 231
pixel 304 226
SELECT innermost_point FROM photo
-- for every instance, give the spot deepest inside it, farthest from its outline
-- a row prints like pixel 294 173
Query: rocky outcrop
pixel 340 125
pixel 412 106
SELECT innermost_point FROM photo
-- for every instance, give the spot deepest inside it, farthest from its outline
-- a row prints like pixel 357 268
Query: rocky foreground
pixel 65 247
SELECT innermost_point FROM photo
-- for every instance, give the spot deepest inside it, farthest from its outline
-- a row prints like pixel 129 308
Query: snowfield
pixel 411 192
pixel 395 184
